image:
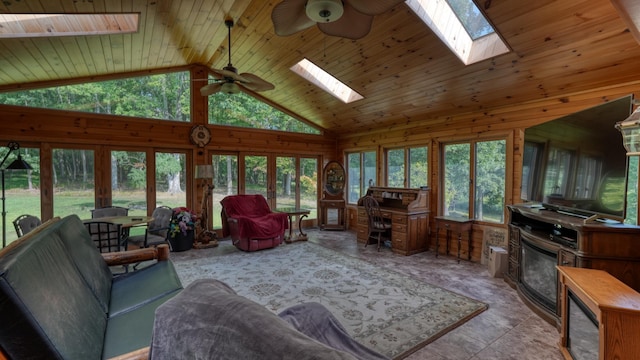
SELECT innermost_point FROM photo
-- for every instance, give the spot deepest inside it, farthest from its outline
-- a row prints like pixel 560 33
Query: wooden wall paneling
pixel 503 118
pixel 87 128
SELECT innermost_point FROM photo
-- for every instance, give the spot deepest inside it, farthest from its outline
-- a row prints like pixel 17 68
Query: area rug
pixel 383 309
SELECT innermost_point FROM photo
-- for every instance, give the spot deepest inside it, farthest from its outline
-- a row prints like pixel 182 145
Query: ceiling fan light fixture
pixel 230 88
pixel 324 11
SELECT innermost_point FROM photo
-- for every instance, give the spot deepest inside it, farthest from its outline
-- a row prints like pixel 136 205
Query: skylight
pixel 39 25
pixel 326 81
pixel 462 26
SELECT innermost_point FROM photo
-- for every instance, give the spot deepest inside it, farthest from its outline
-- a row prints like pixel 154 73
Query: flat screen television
pixel 577 164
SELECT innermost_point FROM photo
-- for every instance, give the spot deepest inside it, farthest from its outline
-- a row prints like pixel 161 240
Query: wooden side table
pixel 458 225
pixel 291 212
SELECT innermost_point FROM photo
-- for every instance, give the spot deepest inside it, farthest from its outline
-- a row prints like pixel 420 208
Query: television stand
pixel 567 240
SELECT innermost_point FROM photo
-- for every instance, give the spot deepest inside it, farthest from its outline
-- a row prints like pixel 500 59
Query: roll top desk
pixel 408 211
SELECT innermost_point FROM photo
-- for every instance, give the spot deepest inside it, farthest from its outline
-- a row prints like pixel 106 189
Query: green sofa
pixel 59 299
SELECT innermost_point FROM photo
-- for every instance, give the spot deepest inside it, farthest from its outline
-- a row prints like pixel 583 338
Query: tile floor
pixel 507 330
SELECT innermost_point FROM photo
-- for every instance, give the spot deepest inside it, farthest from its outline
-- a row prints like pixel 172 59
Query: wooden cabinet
pixel 408 210
pixel 457 226
pixel 332 204
pixel 600 316
pixel 332 214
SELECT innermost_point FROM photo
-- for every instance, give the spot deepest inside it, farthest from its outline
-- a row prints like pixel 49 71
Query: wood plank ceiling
pixel 404 71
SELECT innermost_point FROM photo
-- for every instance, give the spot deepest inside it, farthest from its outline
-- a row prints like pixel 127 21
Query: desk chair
pixel 25 223
pixel 376 223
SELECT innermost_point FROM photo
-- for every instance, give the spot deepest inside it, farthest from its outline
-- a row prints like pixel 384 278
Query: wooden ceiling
pixel 405 73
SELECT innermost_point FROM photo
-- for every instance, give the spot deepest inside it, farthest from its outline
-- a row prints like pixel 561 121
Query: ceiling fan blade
pixel 227 74
pixel 211 88
pixel 378 7
pixel 255 83
pixel 352 25
pixel 289 17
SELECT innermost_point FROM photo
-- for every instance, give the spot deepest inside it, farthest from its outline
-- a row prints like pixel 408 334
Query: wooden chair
pixel 376 223
pixel 25 223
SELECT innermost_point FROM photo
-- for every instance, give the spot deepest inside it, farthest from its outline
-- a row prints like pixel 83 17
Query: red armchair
pixel 250 222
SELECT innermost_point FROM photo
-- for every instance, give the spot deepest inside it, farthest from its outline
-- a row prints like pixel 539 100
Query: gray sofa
pixel 208 320
pixel 59 299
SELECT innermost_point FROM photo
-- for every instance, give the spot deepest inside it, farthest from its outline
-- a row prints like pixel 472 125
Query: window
pixel 225 170
pixel 162 97
pixel 73 182
pixel 325 81
pixel 462 27
pixel 129 181
pixel 361 170
pixel 415 174
pixel 395 168
pixel 171 170
pixel 48 25
pixel 246 111
pixel 474 182
pixel 22 188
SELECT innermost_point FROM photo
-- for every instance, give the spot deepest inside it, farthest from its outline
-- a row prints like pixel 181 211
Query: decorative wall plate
pixel 200 135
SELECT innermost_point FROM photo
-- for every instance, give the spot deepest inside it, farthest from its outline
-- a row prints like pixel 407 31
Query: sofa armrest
pixel 160 253
pixel 140 354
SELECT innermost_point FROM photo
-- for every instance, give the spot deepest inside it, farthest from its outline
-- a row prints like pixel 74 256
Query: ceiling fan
pixel 350 19
pixel 230 81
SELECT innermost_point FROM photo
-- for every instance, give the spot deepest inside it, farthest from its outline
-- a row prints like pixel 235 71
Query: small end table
pixel 291 212
pixel 457 224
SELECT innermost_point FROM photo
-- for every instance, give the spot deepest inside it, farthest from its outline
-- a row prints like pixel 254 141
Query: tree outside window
pixel 474 182
pixel 361 170
pixel 413 175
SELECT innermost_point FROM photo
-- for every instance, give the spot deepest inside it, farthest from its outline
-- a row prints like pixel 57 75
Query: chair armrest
pixel 160 253
pixel 140 354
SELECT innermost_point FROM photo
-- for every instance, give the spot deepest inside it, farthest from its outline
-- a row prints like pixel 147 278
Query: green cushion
pixel 51 297
pixel 87 258
pixel 132 330
pixel 140 287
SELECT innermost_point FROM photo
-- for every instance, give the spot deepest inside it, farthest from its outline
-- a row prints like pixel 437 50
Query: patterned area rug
pixel 385 310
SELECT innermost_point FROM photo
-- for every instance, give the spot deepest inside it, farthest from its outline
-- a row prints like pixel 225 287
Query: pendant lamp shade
pixel 19 164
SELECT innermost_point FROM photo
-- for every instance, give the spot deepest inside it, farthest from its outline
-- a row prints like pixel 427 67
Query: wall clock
pixel 200 135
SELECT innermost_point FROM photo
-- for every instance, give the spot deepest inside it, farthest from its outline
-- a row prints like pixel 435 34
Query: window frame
pixel 508 137
pixel 407 165
pixel 363 182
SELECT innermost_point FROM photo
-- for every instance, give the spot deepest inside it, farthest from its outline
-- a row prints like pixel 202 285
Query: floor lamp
pixel 203 234
pixel 17 164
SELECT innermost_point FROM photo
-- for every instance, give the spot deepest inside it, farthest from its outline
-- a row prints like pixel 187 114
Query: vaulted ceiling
pixel 403 70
